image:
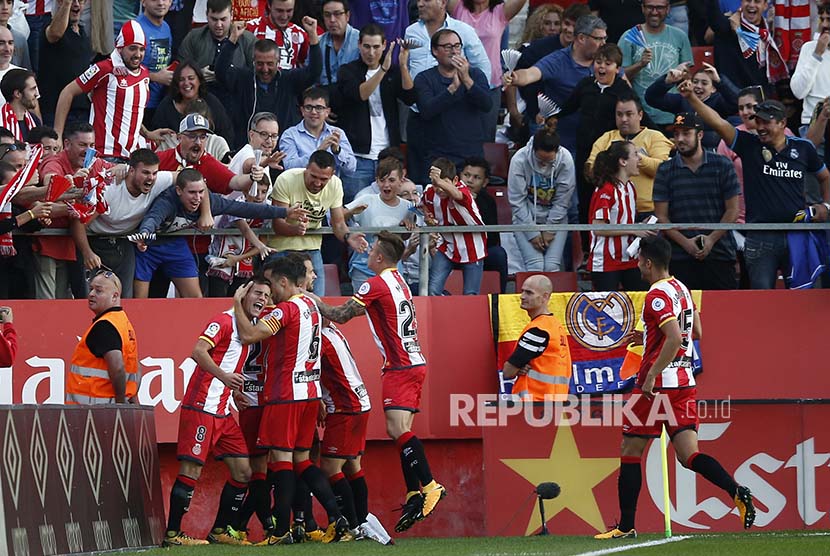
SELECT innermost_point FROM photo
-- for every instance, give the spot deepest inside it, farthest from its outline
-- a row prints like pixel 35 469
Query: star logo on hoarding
pixel 577 476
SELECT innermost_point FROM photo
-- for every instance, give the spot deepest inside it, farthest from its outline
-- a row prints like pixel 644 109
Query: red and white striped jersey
pixel 391 313
pixel 466 247
pixel 8 119
pixel 38 7
pixel 117 107
pixel 343 388
pixel 614 204
pixel 292 41
pixel 668 299
pixel 205 392
pixel 292 354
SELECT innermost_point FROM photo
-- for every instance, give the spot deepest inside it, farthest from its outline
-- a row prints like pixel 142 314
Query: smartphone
pixel 701 243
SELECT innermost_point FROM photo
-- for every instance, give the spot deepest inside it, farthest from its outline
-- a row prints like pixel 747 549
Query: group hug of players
pixel 288 368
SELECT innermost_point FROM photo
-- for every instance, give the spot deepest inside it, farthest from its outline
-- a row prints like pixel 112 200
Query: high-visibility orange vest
pixel 87 381
pixel 549 376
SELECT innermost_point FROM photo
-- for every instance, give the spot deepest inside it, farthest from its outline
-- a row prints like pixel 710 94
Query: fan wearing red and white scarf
pixel 8 119
pixel 757 40
pixel 21 178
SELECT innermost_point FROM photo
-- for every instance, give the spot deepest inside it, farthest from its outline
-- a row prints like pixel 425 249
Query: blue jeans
pixel 536 261
pixel 765 253
pixel 37 23
pixel 679 17
pixel 439 271
pixel 358 277
pixel 316 262
pixel 363 176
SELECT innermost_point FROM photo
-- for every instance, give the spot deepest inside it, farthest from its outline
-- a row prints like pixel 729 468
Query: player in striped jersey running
pixel 386 300
pixel 206 425
pixel 666 389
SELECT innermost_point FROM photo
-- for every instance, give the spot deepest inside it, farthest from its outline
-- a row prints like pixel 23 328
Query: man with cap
pixel 104 366
pixel 119 86
pixel 698 186
pixel 775 168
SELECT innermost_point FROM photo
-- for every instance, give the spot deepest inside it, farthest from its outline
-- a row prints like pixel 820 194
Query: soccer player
pixel 671 320
pixel 291 342
pixel 206 424
pixel 387 301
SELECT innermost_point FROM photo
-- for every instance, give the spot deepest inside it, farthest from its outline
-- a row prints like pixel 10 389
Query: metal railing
pixel 424 232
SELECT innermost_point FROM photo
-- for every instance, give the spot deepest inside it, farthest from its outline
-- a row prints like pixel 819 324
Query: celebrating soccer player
pixel 206 425
pixel 386 300
pixel 670 321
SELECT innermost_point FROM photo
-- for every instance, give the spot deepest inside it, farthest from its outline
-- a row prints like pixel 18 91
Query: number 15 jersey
pixel 292 354
pixel 391 313
pixel 668 299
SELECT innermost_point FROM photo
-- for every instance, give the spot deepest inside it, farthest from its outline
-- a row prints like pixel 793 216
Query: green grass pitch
pixel 803 543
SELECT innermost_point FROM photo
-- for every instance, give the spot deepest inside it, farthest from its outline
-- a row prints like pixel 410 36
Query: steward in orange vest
pixel 542 358
pixel 104 366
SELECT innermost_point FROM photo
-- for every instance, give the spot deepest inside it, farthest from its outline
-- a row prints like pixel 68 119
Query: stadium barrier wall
pixel 78 479
pixel 761 346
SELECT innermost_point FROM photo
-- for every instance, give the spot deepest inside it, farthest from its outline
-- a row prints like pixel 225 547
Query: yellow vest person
pixel 104 366
pixel 542 358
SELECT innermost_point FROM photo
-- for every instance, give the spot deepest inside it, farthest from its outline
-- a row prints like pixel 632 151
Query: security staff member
pixel 104 365
pixel 542 358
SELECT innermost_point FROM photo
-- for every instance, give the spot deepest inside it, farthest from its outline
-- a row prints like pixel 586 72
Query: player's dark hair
pixel 14 80
pixel 371 30
pixel 303 256
pixel 37 133
pixel 447 167
pixel 323 159
pixel 261 280
pixel 657 250
pixel 607 163
pixel 390 245
pixel 290 267
pixel 75 127
pixel 143 156
pixel 7 134
pixel 477 162
pixel 824 8
pixel 387 166
pixel 186 176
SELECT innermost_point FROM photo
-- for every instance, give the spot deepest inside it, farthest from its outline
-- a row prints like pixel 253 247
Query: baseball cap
pixel 131 33
pixel 195 122
pixel 770 110
pixel 686 120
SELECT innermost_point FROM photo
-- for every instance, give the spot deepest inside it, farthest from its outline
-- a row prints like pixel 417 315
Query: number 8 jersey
pixel 391 313
pixel 665 300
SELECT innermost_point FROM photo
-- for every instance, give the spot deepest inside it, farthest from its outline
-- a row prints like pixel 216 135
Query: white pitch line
pixel 623 548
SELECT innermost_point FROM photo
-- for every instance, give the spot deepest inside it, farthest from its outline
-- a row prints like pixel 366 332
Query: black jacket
pixel 280 97
pixel 353 112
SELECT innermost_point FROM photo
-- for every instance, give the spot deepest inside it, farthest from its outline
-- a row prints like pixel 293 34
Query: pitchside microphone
pixel 546 491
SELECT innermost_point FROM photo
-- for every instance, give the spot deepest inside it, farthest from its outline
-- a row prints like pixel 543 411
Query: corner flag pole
pixel 665 466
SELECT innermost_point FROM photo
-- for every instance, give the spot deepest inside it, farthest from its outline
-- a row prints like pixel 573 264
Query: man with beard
pixel 118 101
pixel 19 88
pixel 128 201
pixel 775 170
pixel 698 186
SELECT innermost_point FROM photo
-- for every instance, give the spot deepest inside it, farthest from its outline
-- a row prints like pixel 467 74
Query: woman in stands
pixel 615 202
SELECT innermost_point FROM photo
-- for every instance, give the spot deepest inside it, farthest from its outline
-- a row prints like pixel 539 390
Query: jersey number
pixel 686 321
pixel 253 366
pixel 408 325
pixel 314 347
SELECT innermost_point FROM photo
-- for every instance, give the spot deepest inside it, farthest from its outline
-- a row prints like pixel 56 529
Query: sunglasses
pixel 103 270
pixel 11 147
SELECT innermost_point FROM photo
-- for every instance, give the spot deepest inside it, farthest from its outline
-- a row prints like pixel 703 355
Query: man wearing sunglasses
pixel 104 366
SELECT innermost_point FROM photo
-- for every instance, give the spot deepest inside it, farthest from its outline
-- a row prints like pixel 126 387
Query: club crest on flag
pixel 600 320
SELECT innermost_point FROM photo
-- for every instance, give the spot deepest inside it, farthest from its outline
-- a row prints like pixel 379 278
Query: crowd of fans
pixel 123 121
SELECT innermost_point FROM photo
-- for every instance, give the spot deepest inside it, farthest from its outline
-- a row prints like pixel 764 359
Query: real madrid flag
pixel 598 324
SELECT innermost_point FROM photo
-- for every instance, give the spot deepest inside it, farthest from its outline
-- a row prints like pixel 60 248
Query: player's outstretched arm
pixel 340 314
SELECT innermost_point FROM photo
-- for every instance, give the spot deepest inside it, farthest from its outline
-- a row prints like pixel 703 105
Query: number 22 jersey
pixel 391 313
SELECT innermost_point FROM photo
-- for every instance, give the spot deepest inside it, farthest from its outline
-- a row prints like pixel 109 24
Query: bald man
pixel 542 358
pixel 104 366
